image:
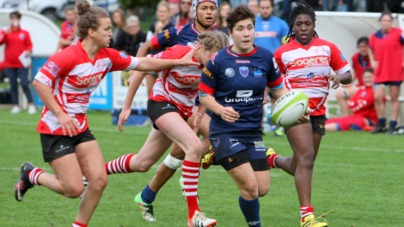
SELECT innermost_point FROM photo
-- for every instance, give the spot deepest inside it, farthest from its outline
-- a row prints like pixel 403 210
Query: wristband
pixel 200 114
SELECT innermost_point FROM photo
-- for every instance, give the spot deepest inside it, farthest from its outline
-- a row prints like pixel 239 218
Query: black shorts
pixel 390 83
pixel 239 158
pixel 156 109
pixel 54 146
pixel 317 124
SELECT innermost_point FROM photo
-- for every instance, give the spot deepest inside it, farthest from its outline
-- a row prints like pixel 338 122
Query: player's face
pixel 205 55
pixel 363 49
pixel 243 35
pixel 116 17
pixel 207 13
pixel 224 11
pixel 253 6
pixel 304 28
pixel 185 5
pixel 173 9
pixel 368 79
pixel 70 17
pixel 266 9
pixel 386 22
pixel 102 36
pixel 162 13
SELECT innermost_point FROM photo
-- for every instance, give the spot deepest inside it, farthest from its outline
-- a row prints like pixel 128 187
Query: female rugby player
pixel 64 84
pixel 170 103
pixel 232 87
pixel 306 62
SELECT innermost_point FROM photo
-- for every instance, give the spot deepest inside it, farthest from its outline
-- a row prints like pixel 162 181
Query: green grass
pixel 357 175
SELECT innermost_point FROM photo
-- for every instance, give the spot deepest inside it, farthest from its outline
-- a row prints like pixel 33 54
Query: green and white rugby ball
pixel 288 108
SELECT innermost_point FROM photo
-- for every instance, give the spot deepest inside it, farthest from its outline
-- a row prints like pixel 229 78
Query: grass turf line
pixel 357 175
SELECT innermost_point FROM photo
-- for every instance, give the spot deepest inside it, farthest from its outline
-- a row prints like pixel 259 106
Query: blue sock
pixel 148 196
pixel 393 124
pixel 382 121
pixel 251 211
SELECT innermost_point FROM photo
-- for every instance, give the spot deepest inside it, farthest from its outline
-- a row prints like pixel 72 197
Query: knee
pixel 195 148
pixel 250 191
pixel 263 191
pixel 339 95
pixel 307 161
pixel 74 191
pixel 142 167
pixel 99 182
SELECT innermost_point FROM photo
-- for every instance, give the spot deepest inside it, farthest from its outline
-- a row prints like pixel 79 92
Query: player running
pixel 64 84
pixel 170 103
pixel 232 87
pixel 306 62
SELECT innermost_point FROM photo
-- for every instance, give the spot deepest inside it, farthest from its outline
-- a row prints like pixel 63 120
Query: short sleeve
pixel 278 60
pixel 167 38
pixel 338 61
pixel 274 77
pixel 122 62
pixel 57 65
pixel 372 41
pixel 210 78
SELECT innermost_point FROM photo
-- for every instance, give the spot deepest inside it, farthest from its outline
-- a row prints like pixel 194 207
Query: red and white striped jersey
pixel 73 76
pixel 178 85
pixel 305 66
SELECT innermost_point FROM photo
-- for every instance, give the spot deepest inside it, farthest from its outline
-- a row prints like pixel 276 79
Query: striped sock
pixel 119 165
pixel 78 224
pixel 305 211
pixel 34 174
pixel 190 173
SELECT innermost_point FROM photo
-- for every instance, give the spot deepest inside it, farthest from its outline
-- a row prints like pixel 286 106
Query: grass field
pixel 357 175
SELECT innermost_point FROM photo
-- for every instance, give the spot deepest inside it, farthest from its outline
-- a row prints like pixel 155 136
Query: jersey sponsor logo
pixel 243 61
pixel 53 68
pixel 188 80
pixel 190 44
pixel 207 72
pixel 158 55
pixel 46 79
pixel 89 80
pixel 78 98
pixel 257 71
pixel 242 99
pixel 229 72
pixel 259 145
pixel 233 142
pixel 212 58
pixel 343 57
pixel 62 148
pixel 179 28
pixel 243 71
pixel 167 34
pixel 310 75
pixel 244 93
pixel 311 82
pixel 310 62
pixel 123 55
pixel 266 34
pixel 169 106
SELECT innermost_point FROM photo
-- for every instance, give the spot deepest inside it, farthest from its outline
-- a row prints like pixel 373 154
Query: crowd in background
pixel 270 33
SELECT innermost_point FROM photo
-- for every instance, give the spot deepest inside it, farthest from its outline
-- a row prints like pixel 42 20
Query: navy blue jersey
pixel 184 35
pixel 239 80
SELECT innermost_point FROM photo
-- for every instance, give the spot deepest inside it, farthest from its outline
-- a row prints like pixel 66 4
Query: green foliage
pixel 131 4
pixel 357 175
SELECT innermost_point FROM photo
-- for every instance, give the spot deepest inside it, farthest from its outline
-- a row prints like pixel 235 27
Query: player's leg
pixel 150 80
pixel 342 96
pixel 380 108
pixel 180 133
pixel 331 127
pixel 395 108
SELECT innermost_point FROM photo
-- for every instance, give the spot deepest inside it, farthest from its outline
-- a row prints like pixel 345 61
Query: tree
pixel 131 4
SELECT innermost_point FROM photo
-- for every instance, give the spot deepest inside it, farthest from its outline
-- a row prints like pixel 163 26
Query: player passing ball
pixel 306 62
pixel 232 87
pixel 64 85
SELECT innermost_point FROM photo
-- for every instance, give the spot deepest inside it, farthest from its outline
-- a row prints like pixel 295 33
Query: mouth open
pixel 209 19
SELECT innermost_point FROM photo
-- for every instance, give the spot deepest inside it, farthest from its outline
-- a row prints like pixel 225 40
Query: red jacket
pixel 17 41
pixel 67 32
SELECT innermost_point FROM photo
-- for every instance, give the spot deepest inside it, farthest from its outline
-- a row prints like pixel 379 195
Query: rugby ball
pixel 288 108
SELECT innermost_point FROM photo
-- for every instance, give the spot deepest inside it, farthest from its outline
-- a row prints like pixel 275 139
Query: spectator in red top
pixel 182 18
pixel 18 45
pixel 67 27
pixel 362 105
pixel 386 58
pixel 360 61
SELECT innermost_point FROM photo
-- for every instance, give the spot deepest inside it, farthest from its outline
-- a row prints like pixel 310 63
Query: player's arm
pixel 341 67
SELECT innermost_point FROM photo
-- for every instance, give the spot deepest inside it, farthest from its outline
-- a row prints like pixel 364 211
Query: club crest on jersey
pixel 179 28
pixel 229 72
pixel 243 71
pixel 22 36
pixel 215 141
pixel 190 44
pixel 265 27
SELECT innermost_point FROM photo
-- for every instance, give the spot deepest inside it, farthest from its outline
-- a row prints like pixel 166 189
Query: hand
pixel 375 64
pixel 265 100
pixel 197 122
pixel 306 117
pixel 229 114
pixel 187 59
pixel 69 125
pixel 335 81
pixel 123 118
pixel 159 27
pixel 8 31
pixel 27 53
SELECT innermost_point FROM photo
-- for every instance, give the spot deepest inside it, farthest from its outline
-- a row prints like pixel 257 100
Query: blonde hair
pixel 132 19
pixel 213 40
pixel 89 17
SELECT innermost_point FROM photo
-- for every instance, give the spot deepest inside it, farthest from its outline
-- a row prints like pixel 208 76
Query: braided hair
pixel 301 8
pixel 216 40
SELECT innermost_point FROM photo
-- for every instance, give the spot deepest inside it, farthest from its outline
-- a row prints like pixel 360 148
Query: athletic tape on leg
pixel 172 162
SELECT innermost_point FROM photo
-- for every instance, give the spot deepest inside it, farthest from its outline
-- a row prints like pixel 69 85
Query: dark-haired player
pixel 232 87
pixel 360 62
pixel 306 62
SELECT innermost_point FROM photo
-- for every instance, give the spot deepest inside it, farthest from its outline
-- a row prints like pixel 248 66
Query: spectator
pixel 130 42
pixel 386 57
pixel 221 24
pixel 360 61
pixel 119 23
pixel 163 23
pixel 67 27
pixel 174 9
pixel 362 105
pixel 253 4
pixel 270 30
pixel 18 45
pixel 182 18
